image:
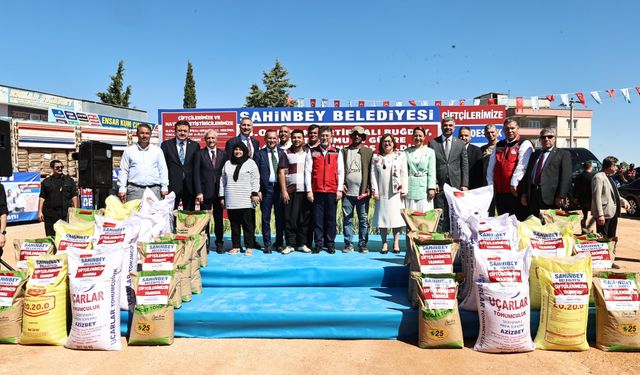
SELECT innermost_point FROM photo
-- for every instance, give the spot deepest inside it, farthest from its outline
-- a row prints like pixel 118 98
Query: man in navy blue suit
pixel 207 170
pixel 179 153
pixel 268 159
pixel 246 130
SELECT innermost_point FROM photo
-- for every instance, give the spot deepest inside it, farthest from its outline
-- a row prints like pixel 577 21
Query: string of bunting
pixel 504 100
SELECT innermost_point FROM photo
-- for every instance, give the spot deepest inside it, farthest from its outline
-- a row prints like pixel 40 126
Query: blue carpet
pixel 322 313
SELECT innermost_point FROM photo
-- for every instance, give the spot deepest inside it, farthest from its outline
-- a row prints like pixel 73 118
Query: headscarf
pixel 238 161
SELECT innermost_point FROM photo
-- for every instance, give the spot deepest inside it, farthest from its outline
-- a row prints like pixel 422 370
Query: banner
pixel 398 121
pixel 23 191
pixel 476 117
pixel 200 120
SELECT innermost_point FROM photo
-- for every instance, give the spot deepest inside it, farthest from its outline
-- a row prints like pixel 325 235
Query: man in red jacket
pixel 324 179
pixel 506 168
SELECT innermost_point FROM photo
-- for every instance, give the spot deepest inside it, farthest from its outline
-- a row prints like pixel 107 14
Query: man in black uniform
pixel 57 193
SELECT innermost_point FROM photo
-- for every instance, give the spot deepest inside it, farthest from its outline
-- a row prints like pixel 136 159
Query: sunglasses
pixel 59 167
pixel 547 136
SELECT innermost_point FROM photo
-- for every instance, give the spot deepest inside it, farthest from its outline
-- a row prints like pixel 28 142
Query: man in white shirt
pixel 507 165
pixel 142 166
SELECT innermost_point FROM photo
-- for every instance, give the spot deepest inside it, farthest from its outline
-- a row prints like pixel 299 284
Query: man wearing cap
pixel 357 164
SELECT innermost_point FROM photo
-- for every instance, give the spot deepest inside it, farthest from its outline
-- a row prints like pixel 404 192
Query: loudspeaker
pixel 95 165
pixel 6 166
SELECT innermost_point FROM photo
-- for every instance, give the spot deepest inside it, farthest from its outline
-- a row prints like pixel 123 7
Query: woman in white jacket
pixel 239 187
pixel 389 183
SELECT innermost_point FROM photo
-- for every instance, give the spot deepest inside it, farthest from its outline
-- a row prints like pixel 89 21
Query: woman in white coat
pixel 389 187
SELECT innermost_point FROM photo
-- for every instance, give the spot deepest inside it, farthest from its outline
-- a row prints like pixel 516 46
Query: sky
pixel 348 50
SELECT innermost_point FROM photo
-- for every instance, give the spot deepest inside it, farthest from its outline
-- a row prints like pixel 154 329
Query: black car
pixel 578 156
pixel 631 192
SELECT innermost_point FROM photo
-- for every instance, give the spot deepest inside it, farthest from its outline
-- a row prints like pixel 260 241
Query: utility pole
pixel 571 103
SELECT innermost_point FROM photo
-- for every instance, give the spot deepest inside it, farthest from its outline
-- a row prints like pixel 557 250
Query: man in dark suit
pixel 267 160
pixel 207 170
pixel 548 177
pixel 246 129
pixel 474 155
pixel 452 167
pixel 179 154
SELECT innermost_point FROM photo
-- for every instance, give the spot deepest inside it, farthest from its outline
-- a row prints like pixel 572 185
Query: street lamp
pixel 571 103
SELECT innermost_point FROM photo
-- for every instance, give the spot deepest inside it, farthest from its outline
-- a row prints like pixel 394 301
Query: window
pixel 534 124
pixel 575 124
pixel 567 143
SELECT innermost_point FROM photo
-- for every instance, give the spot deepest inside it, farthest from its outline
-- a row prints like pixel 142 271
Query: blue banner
pixel 23 191
pixel 341 115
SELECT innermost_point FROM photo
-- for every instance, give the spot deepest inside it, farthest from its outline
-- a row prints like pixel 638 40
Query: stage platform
pixel 322 296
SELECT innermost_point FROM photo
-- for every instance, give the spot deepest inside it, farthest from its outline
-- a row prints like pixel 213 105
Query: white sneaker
pixel 287 250
pixel 304 249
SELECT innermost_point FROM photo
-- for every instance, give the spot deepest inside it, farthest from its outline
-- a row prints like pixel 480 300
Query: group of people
pixel 301 183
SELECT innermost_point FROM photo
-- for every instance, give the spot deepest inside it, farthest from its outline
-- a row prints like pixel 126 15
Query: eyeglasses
pixel 59 167
pixel 547 136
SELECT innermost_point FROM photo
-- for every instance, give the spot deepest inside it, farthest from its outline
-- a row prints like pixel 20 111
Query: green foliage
pixel 189 100
pixel 276 89
pixel 115 94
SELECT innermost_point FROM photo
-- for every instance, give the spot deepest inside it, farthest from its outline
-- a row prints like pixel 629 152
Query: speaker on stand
pixel 95 170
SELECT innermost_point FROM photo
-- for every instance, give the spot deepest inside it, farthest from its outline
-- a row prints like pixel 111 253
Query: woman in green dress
pixel 421 165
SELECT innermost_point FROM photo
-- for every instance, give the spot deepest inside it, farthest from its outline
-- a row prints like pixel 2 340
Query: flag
pixel 438 103
pixel 625 93
pixel 312 102
pixel 336 103
pixel 596 96
pixel 551 98
pixel 535 103
pixel 385 103
pixel 638 90
pixel 324 103
pixel 491 101
pixel 424 103
pixel 360 103
pixel 519 103
pixel 452 102
pixel 565 99
pixel 290 101
pixel 461 102
pixel 476 101
pixel 398 104
pixel 503 100
pixel 301 102
pixel 581 99
pixel 412 102
pixel 611 93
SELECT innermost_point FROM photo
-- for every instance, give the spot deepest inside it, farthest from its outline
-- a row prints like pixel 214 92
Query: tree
pixel 189 100
pixel 114 94
pixel 276 93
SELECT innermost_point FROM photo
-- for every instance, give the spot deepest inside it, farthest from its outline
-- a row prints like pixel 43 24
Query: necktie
pixel 213 158
pixel 447 147
pixel 274 161
pixel 181 152
pixel 536 180
pixel 250 147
